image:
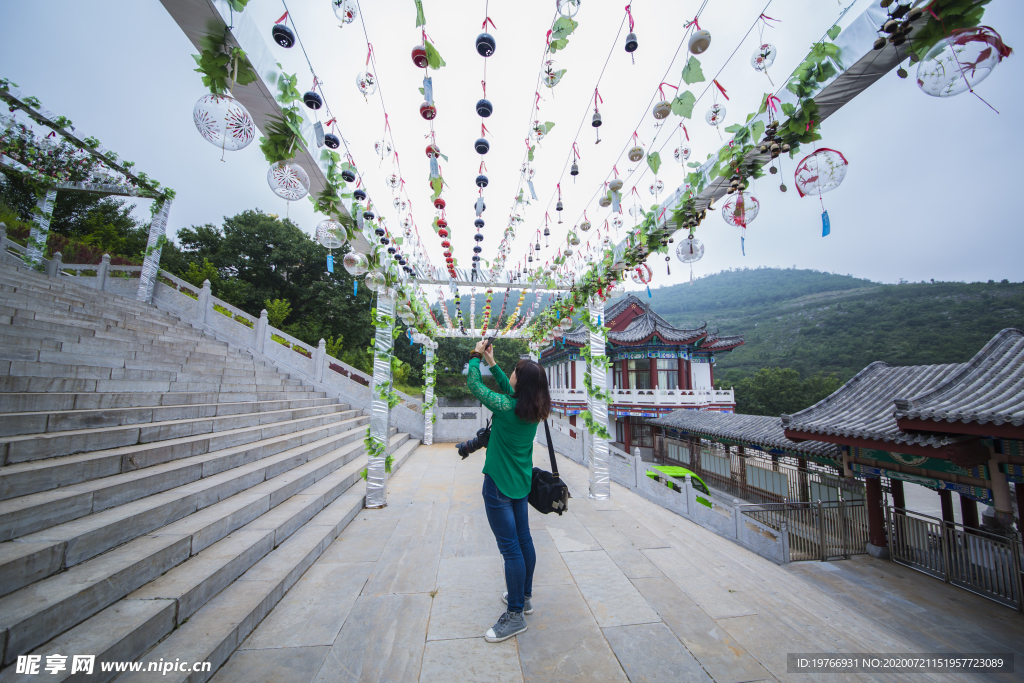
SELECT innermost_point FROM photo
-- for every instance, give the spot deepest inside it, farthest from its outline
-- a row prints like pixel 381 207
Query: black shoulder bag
pixel 547 492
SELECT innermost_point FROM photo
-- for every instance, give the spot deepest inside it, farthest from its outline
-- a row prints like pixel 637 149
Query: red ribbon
pixel 616 170
pixel 694 23
pixel 766 18
pixel 482 167
pixel 636 138
pixel 387 126
pixel 770 102
pixel 315 81
pixel 546 218
pixel 715 81
pixel 661 89
pixel 685 132
pixel 527 141
pixel 369 53
pixel 634 191
pixel 630 15
pixel 483 84
pixel 536 102
pixel 331 122
pixel 576 150
pixel 483 129
pixel 283 17
pixel 809 124
pixel 52 134
pixel 559 188
pixel 549 37
pixel 488 19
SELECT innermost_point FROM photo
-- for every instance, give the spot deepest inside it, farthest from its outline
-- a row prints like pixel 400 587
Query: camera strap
pixel 551 450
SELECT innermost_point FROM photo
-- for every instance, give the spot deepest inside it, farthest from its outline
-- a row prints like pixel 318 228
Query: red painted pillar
pixel 969 512
pixel 573 364
pixel 680 370
pixel 1020 505
pixel 625 374
pixel 711 369
pixel 898 500
pixel 652 363
pixel 946 499
pixel 876 517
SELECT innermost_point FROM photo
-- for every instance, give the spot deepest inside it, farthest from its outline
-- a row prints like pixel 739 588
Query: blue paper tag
pixel 330 263
pixel 826 228
pixel 434 171
pixel 428 90
pixel 355 288
pixel 743 246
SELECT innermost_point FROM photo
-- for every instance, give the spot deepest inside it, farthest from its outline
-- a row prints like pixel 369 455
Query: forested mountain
pixel 817 322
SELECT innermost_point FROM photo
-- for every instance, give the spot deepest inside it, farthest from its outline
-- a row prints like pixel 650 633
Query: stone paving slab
pixel 624 590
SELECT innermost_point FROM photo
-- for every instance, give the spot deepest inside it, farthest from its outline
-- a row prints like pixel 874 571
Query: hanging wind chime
pixel 822 171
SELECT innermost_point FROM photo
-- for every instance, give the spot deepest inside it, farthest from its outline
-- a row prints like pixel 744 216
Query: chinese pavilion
pixel 656 368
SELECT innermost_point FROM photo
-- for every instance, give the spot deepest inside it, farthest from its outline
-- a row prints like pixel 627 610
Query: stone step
pixel 111 332
pixel 20 423
pixel 163 564
pixel 43 494
pixel 135 370
pixel 35 556
pixel 216 630
pixel 36 402
pixel 157 360
pixel 40 445
pixel 140 446
pixel 30 385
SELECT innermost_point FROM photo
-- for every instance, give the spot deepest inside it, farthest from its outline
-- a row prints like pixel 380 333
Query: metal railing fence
pixel 823 530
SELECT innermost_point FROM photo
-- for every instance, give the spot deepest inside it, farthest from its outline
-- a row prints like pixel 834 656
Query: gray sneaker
pixel 527 609
pixel 509 624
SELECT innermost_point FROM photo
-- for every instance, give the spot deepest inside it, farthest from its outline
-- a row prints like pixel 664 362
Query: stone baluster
pixel 53 268
pixel 319 358
pixel 204 301
pixel 261 330
pixel 101 272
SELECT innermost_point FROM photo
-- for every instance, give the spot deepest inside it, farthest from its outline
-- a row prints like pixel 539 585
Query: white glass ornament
pixel 740 208
pixel 961 61
pixel 393 181
pixel 382 148
pixel 616 221
pixel 681 154
pixel 568 8
pixel 223 122
pixel 345 10
pixel 715 115
pixel 550 73
pixel 288 180
pixel 356 264
pixel 636 212
pixel 763 57
pixel 330 234
pixel 539 131
pixel 690 250
pixel 367 83
pixel 641 275
pixel 399 204
pixel 657 187
pixel 375 281
pixel 820 172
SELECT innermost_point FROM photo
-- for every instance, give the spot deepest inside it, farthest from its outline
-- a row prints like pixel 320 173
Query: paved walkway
pixel 624 590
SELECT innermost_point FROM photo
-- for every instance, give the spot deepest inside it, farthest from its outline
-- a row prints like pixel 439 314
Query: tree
pixel 277 312
pixel 196 275
pixel 780 391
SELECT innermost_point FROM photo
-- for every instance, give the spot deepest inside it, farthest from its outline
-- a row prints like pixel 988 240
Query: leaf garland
pixel 683 103
pixel 434 60
pixel 692 73
pixel 654 161
pixel 560 32
pixel 421 20
pixel 220 69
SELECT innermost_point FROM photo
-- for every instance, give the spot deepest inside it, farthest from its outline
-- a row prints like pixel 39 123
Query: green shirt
pixel 509 459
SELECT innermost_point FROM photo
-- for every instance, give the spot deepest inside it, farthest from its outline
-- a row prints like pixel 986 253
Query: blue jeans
pixel 511 526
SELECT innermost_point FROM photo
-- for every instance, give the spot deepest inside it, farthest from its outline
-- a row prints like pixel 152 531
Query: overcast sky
pixel 929 193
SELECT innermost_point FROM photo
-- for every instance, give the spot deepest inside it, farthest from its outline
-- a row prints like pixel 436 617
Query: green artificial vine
pixel 222 68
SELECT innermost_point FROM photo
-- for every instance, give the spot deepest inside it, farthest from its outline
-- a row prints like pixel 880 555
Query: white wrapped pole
pixel 154 245
pixel 600 482
pixel 39 232
pixel 380 411
pixel 428 413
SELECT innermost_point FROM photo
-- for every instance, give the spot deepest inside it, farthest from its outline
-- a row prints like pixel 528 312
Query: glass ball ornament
pixel 641 275
pixel 690 250
pixel 288 180
pixel 399 205
pixel 557 333
pixel 616 221
pixel 538 131
pixel 657 187
pixel 820 172
pixel 367 83
pixel 636 212
pixel 383 148
pixel 715 115
pixel 393 181
pixel 330 234
pixel 375 281
pixel 740 208
pixel 763 57
pixel 356 264
pixel 224 122
pixel 345 10
pixel 568 8
pixel 961 61
pixel 681 154
pixel 550 73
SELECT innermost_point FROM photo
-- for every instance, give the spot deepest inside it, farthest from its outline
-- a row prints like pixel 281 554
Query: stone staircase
pixel 158 488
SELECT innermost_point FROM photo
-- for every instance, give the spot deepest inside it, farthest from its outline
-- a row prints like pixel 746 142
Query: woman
pixel 508 473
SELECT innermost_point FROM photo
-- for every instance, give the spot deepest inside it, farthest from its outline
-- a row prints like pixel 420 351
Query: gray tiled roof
pixel 863 407
pixel 758 430
pixel 650 323
pixel 716 343
pixel 622 304
pixel 987 389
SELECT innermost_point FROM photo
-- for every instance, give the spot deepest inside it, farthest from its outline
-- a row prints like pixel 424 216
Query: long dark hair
pixel 533 403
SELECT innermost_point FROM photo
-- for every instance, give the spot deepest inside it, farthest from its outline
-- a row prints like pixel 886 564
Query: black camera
pixel 476 443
